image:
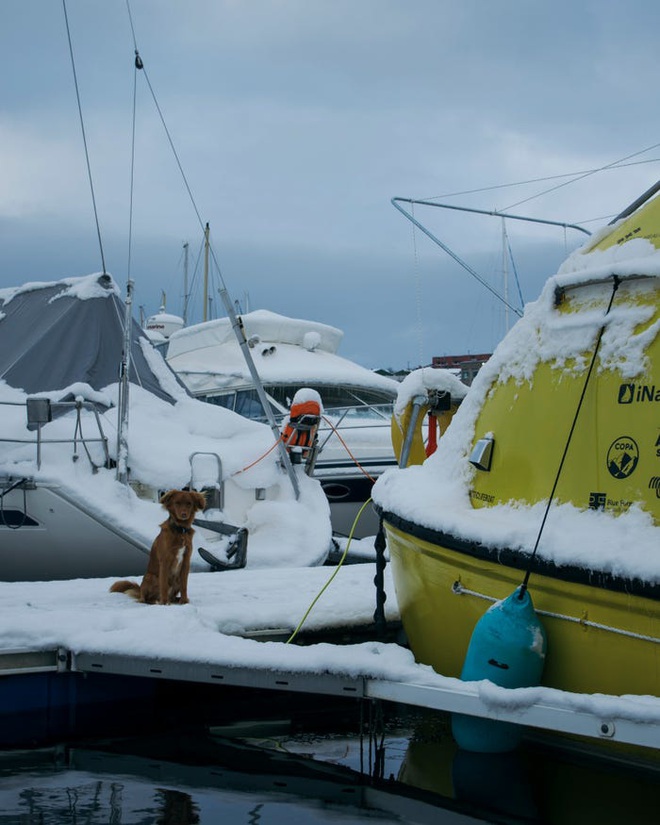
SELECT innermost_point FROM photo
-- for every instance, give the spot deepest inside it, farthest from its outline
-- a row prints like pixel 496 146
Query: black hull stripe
pixel 519 560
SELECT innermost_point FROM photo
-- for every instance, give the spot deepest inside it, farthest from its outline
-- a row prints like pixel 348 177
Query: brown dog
pixel 166 579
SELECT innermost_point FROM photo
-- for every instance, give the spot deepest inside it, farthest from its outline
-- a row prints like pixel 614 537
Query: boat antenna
pixel 237 324
pixel 523 588
pixel 84 136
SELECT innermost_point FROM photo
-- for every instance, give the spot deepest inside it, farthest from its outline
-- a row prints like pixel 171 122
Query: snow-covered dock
pixel 78 626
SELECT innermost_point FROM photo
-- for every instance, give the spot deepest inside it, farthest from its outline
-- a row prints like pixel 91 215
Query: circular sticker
pixel 622 457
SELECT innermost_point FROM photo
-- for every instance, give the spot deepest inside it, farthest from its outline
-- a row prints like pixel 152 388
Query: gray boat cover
pixel 56 334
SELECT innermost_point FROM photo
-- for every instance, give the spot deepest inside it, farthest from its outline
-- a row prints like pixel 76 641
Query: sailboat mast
pixel 206 271
pixel 505 269
pixel 122 412
pixel 185 284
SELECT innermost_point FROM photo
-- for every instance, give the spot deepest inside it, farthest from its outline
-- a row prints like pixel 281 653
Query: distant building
pixel 465 366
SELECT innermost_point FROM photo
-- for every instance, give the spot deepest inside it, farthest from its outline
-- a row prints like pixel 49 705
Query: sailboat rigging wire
pixel 582 176
pixel 193 281
pixel 523 588
pixel 170 141
pixel 515 269
pixel 236 322
pixel 547 178
pixel 84 136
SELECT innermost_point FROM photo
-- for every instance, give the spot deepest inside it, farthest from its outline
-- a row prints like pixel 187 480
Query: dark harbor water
pixel 263 758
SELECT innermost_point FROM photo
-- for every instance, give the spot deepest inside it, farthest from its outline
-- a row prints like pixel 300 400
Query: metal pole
pixel 505 272
pixel 122 423
pixel 185 284
pixel 492 212
pixel 418 402
pixel 206 271
pixel 239 331
pixel 636 203
pixel 460 261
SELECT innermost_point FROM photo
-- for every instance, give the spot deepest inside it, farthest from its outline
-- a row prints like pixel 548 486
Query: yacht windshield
pixel 350 404
pixel 341 401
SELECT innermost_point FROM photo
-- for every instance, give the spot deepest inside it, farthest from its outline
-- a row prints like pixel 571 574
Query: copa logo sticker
pixel 622 457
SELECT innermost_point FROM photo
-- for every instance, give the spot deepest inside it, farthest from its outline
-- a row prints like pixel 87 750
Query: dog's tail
pixel 124 586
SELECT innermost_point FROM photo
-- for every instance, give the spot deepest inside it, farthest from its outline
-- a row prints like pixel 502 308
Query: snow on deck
pixel 84 617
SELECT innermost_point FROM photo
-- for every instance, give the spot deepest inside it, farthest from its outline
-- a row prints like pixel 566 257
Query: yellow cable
pixel 336 570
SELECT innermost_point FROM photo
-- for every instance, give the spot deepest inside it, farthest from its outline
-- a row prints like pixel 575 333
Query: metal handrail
pixel 45 416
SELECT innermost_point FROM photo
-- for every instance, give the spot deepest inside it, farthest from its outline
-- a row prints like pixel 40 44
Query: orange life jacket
pixel 301 428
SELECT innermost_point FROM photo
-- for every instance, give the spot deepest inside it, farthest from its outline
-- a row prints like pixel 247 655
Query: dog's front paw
pixel 184 600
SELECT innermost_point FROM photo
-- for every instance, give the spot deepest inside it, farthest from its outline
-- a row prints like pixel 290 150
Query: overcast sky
pixel 296 122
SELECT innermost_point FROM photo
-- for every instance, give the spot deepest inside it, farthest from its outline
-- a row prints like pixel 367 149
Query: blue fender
pixel 508 647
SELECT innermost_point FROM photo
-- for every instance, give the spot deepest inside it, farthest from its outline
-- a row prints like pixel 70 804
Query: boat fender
pixel 508 647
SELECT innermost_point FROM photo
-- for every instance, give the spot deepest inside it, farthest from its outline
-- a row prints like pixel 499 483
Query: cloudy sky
pixel 296 122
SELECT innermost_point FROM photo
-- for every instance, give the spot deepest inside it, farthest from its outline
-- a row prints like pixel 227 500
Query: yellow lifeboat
pixel 549 469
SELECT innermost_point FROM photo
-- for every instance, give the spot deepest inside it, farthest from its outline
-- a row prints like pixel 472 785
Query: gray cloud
pixel 297 122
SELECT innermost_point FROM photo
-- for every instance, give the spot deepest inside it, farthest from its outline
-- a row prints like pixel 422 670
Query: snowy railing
pixel 41 411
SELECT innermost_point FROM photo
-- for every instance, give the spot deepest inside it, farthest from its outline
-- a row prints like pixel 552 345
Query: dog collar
pixel 178 528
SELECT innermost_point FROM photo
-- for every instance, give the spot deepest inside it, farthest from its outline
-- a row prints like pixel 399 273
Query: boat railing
pixel 41 411
pixel 348 418
pixel 371 414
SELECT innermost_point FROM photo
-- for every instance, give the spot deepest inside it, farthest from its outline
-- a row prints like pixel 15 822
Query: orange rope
pixel 357 463
pixel 281 438
pixel 261 458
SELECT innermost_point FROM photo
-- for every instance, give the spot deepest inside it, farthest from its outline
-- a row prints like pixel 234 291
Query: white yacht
pixel 290 354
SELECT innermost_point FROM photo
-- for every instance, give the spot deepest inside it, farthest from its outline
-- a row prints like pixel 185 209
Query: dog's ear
pixel 167 497
pixel 199 500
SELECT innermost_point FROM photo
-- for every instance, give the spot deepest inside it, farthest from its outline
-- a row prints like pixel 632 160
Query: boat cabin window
pixel 248 405
pixel 226 400
pixel 243 402
pixel 348 403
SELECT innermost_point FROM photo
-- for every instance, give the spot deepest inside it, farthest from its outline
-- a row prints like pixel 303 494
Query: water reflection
pixel 176 808
pixel 392 767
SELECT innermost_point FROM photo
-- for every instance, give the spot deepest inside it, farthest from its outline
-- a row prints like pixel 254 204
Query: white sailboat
pixel 64 509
